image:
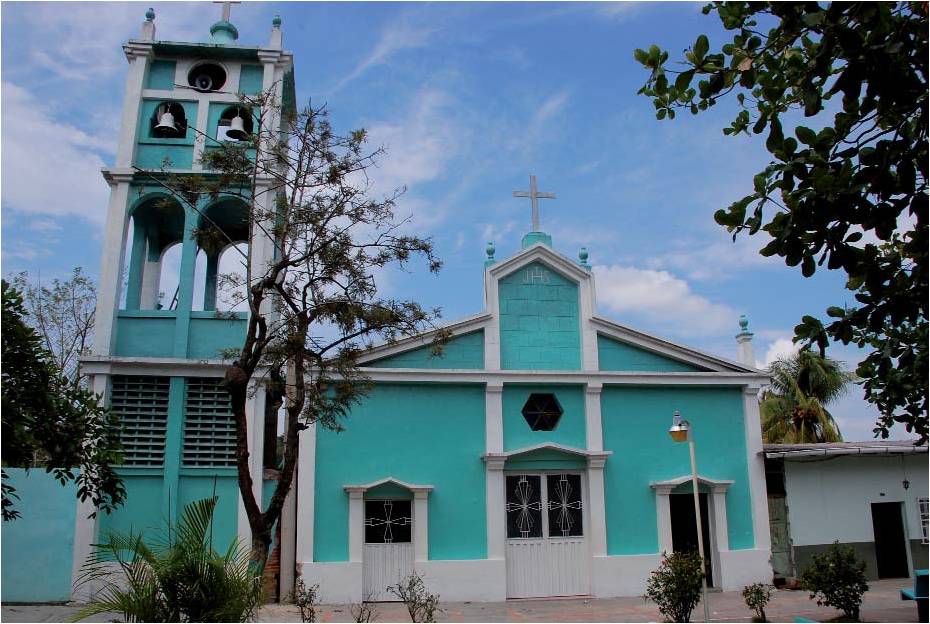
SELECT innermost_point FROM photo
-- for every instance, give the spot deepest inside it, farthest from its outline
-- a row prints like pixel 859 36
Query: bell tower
pixel 163 327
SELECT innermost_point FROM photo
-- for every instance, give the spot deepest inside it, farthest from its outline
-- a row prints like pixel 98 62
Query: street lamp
pixel 680 431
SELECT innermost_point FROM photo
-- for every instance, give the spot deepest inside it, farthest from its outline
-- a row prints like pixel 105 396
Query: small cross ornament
pixel 227 6
pixel 534 195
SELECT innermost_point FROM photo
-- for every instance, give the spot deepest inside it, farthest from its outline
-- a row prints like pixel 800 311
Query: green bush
pixel 757 596
pixel 675 586
pixel 836 578
pixel 182 579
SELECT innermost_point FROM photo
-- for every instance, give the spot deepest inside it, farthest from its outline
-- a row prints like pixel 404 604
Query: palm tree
pixel 178 579
pixel 793 410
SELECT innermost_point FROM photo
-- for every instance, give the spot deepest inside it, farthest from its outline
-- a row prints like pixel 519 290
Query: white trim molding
pixel 595 458
pixel 357 516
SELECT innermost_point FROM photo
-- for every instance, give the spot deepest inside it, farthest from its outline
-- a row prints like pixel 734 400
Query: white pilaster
pixel 664 521
pixel 288 543
pixel 200 138
pixel 592 414
pixel 138 55
pixel 421 526
pixel 721 527
pixel 306 487
pixel 151 280
pixel 494 417
pixel 497 535
pixel 255 419
pixel 597 514
pixel 85 527
pixel 756 465
pixel 111 263
pixel 356 522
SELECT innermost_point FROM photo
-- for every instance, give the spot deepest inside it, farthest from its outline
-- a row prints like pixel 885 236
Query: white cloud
pixel 660 299
pixel 402 34
pixel 778 348
pixel 48 167
pixel 715 260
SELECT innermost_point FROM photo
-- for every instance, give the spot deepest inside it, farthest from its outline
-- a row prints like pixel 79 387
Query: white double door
pixel 547 553
pixel 387 556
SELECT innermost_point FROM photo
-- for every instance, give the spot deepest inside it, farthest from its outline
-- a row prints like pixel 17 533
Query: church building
pixel 531 458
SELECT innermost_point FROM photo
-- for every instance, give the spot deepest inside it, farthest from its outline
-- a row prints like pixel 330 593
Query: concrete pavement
pixel 880 604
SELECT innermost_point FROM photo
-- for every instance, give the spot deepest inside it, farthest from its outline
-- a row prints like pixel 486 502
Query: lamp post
pixel 680 431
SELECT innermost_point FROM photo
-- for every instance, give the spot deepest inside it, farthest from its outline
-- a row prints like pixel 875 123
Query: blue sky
pixel 468 99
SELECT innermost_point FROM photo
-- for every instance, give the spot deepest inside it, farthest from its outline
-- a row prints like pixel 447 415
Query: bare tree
pixel 318 239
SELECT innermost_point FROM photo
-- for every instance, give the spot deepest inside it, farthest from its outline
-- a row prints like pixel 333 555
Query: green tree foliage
pixel 836 578
pixel 179 579
pixel 794 410
pixel 850 191
pixel 675 586
pixel 315 306
pixel 49 420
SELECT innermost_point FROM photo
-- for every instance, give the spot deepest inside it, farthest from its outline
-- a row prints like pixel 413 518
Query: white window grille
pixel 924 505
pixel 141 403
pixel 209 425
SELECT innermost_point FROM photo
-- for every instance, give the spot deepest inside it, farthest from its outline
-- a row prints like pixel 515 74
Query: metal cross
pixel 534 195
pixel 227 5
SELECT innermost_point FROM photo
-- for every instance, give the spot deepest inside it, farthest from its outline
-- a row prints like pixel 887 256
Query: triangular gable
pixel 460 352
pixel 614 355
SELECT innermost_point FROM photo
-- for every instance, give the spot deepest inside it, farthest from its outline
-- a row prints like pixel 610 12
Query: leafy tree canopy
pixel 48 419
pixel 849 190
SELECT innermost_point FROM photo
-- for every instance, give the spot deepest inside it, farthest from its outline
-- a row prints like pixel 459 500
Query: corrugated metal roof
pixel 871 447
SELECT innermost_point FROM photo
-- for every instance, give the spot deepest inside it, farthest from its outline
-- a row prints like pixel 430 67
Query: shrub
pixel 307 599
pixel 421 605
pixel 675 586
pixel 181 579
pixel 836 578
pixel 757 596
pixel 364 611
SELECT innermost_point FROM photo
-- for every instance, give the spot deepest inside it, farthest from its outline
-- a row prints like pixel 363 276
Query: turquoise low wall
pixel 37 547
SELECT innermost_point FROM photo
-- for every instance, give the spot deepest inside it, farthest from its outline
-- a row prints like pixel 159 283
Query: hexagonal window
pixel 542 412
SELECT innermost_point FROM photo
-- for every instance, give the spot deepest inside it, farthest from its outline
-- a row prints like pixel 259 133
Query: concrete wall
pixel 830 500
pixel 37 547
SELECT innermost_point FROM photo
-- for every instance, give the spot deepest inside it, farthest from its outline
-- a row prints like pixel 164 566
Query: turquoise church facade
pixel 530 458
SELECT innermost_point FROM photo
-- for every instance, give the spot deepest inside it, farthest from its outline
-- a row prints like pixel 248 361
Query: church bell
pixel 166 127
pixel 237 129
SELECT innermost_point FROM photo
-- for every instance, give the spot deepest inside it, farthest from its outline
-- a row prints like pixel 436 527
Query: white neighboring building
pixel 872 496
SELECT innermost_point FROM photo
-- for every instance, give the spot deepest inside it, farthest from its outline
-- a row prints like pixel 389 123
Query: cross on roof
pixel 227 6
pixel 534 195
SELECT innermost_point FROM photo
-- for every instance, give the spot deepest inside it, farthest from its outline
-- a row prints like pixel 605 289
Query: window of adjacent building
pixel 388 521
pixel 924 505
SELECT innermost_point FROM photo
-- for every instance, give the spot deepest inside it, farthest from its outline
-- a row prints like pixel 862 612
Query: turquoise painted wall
pixel 431 435
pixel 145 333
pixel 250 79
pixel 210 334
pixel 161 75
pixel 196 484
pixel 144 509
pixel 635 425
pixel 571 428
pixel 37 548
pixel 465 352
pixel 539 320
pixel 613 355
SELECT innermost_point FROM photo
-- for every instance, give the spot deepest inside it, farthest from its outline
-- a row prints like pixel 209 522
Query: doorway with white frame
pixel 547 553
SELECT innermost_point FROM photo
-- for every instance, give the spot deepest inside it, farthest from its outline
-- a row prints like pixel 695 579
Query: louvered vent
pixel 142 406
pixel 209 426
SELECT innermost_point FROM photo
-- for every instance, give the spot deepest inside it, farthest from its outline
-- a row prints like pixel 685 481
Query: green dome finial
pixel 583 255
pixel 490 249
pixel 744 322
pixel 150 15
pixel 276 21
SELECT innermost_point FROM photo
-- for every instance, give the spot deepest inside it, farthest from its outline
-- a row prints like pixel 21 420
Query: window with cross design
pixel 544 504
pixel 388 521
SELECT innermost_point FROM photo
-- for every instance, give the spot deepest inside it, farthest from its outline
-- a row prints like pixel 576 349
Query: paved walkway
pixel 880 604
